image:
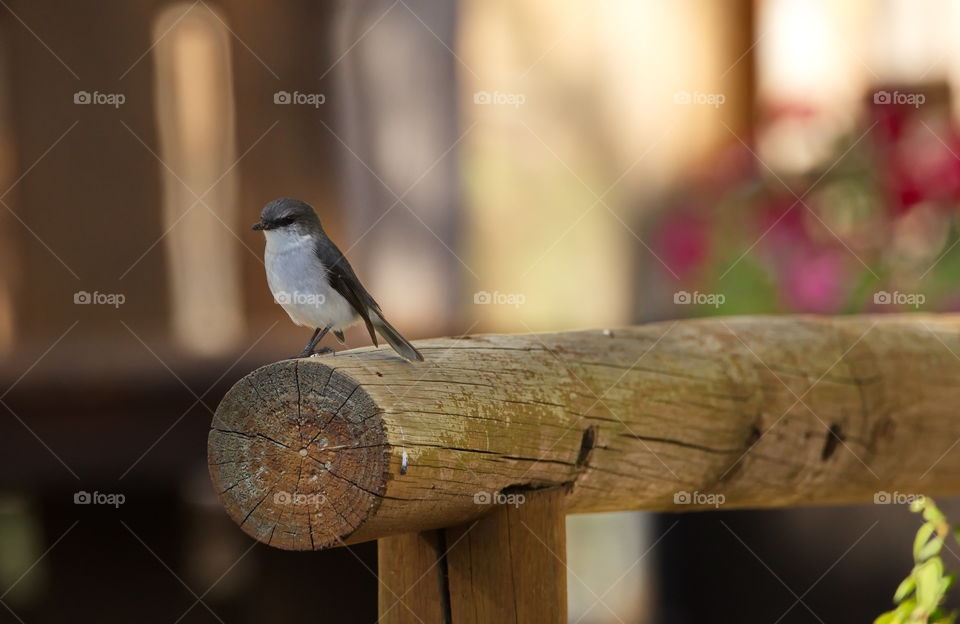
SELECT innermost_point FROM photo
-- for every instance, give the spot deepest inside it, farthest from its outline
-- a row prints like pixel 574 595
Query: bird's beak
pixel 259 225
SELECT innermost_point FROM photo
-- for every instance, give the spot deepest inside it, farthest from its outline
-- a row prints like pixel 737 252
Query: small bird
pixel 313 282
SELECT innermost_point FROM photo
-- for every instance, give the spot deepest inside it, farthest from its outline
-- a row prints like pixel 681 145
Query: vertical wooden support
pixel 509 566
pixel 413 584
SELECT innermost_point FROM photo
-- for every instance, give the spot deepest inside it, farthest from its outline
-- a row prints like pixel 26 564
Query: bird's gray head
pixel 288 214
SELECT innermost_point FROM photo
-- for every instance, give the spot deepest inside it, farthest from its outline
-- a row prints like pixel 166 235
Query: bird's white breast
pixel 298 282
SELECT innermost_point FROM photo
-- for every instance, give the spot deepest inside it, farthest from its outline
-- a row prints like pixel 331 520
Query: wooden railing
pixel 464 466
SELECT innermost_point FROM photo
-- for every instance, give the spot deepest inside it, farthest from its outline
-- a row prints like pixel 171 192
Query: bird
pixel 313 282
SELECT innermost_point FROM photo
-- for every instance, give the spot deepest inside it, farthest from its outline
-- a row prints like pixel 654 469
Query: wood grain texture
pixel 510 566
pixel 413 581
pixel 763 411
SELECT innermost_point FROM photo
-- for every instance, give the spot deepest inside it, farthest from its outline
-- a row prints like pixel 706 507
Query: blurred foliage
pixel 878 215
pixel 919 596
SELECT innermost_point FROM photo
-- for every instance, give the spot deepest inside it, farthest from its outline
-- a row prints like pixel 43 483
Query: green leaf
pixel 888 618
pixel 905 589
pixel 898 615
pixel 946 582
pixel 919 596
pixel 928 575
pixel 932 548
pixel 904 612
pixel 942 617
pixel 931 513
pixel 923 534
pixel 950 618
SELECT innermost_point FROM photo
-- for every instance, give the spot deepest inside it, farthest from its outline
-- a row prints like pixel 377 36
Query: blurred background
pixel 487 166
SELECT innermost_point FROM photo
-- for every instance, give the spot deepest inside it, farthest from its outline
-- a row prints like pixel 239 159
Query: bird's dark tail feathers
pixel 400 344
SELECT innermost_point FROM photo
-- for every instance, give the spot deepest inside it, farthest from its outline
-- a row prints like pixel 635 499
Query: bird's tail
pixel 400 344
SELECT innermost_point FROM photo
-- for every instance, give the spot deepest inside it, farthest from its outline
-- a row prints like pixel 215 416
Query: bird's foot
pixel 312 353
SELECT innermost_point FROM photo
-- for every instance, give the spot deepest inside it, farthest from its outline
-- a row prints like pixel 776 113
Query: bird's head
pixel 289 216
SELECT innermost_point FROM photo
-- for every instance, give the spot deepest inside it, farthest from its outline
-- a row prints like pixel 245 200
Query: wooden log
pixel 744 412
pixel 509 566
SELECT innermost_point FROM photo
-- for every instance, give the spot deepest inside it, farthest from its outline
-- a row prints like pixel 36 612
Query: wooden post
pixel 508 566
pixel 464 466
pixel 413 581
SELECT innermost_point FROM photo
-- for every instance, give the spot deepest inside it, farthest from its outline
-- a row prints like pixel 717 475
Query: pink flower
pixel 812 280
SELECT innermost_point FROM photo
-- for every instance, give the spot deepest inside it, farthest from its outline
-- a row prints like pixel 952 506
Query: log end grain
pixel 298 455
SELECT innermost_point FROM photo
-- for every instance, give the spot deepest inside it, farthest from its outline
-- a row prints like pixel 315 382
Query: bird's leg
pixel 317 336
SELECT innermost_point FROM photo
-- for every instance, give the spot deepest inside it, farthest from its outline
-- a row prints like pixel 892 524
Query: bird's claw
pixel 319 352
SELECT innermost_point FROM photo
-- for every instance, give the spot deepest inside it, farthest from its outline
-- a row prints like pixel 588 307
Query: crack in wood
pixel 680 443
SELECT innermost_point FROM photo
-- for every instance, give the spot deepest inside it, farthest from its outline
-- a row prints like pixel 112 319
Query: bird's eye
pixel 284 221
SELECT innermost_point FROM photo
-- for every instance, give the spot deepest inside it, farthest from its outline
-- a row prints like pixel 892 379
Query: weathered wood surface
pixel 411 571
pixel 508 567
pixel 763 411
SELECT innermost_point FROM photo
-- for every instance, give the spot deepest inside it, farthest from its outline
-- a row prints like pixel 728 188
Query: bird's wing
pixel 341 278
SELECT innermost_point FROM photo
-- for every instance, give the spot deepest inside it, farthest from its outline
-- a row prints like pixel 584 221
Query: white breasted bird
pixel 313 282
